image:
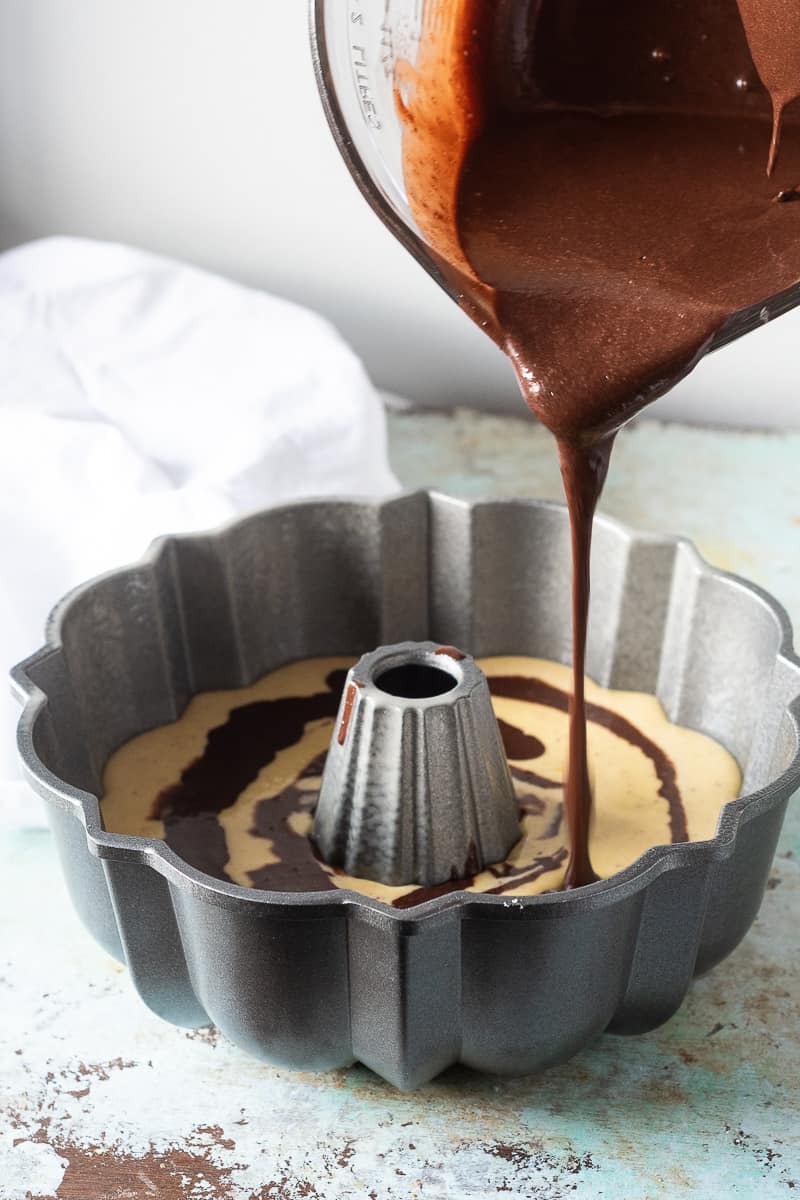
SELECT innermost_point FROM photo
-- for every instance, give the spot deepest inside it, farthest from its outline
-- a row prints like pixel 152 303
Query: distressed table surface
pixel 100 1099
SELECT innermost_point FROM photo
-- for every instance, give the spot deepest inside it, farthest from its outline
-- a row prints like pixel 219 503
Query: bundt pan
pixel 318 980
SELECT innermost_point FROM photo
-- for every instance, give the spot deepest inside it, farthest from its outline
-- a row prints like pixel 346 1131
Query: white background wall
pixel 192 127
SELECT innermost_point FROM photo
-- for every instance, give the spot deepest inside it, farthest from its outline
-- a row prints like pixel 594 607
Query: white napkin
pixel 139 396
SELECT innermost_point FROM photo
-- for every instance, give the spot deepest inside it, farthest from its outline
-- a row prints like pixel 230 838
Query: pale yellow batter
pixel 629 815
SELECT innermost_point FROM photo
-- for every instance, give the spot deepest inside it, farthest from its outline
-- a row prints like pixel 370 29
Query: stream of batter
pixel 604 185
pixel 232 785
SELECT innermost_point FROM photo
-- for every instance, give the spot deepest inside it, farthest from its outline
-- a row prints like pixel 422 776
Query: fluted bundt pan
pixel 318 980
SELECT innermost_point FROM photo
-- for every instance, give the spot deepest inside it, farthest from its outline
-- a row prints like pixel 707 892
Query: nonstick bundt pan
pixel 318 980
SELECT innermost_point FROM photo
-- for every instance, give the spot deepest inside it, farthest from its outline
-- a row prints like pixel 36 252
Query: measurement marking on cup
pixel 358 58
pixel 387 56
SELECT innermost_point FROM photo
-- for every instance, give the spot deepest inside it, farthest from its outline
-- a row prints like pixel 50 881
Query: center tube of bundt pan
pixel 416 787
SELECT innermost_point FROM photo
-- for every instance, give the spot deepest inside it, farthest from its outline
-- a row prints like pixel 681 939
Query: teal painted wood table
pixel 98 1098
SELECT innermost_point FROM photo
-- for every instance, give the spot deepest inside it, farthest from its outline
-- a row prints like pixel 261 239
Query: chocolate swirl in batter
pixel 536 691
pixel 233 756
pixel 250 739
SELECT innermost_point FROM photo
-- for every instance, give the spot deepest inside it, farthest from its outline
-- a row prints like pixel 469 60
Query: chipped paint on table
pixel 100 1099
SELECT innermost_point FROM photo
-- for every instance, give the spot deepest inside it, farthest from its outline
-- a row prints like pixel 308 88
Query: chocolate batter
pixel 232 784
pixel 602 182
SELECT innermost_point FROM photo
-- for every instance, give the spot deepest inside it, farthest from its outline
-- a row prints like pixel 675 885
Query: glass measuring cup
pixel 357 47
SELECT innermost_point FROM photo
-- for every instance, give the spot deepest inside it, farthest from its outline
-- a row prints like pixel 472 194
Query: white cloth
pixel 139 396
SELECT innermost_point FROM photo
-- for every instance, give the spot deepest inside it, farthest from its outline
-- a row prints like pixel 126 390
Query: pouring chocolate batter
pixel 603 182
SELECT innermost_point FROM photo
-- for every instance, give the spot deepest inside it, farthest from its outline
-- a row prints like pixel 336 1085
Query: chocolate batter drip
pixel 583 469
pixel 613 211
pixel 773 32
